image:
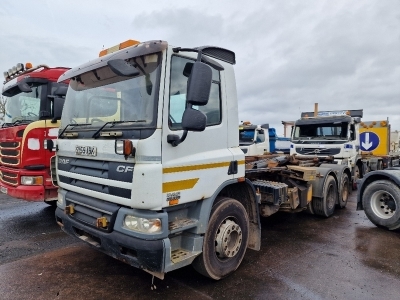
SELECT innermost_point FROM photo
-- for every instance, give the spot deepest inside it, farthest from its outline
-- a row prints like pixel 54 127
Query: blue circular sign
pixel 369 141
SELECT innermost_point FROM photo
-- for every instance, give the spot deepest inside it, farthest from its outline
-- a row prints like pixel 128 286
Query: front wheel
pixel 225 240
pixel 381 202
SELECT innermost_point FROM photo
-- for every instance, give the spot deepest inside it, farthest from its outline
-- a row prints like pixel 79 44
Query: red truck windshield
pixel 23 107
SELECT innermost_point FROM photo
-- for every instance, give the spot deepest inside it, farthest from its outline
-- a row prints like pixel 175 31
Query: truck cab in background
pixel 341 135
pixel 254 139
pixel 28 134
pixel 330 133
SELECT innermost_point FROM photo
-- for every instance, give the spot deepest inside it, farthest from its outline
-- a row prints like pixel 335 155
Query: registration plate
pixel 86 150
pixel 3 190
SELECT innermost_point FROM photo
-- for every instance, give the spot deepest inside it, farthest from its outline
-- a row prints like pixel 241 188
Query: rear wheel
pixel 381 202
pixel 344 191
pixel 225 240
pixel 325 206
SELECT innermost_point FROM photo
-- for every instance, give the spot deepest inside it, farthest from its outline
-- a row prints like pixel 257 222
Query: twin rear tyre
pixel 344 191
pixel 357 175
pixel 225 241
pixel 381 202
pixel 325 206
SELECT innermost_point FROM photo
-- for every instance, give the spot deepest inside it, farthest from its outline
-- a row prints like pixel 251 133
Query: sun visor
pixel 324 120
pixel 133 51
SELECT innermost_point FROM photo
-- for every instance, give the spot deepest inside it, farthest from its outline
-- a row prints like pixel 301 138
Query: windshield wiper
pixel 16 122
pixel 96 134
pixel 71 125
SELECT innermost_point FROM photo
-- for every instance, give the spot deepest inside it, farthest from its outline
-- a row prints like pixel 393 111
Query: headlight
pixel 142 224
pixel 32 180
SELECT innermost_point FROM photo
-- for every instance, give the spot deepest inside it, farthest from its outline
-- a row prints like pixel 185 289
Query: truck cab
pixel 333 133
pixel 28 131
pixel 254 139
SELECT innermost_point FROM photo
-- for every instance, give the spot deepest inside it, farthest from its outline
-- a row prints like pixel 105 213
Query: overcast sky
pixel 341 54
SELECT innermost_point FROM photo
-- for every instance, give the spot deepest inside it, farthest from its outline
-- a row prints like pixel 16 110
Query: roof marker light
pixel 120 46
pixel 28 65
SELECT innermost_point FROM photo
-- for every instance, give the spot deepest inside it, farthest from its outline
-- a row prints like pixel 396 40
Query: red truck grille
pixel 10 153
pixel 9 178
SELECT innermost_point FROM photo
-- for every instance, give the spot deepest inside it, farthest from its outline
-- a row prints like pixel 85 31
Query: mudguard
pixel 322 175
pixel 392 174
pixel 203 211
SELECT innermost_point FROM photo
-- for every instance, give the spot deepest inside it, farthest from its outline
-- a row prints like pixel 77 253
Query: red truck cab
pixel 29 131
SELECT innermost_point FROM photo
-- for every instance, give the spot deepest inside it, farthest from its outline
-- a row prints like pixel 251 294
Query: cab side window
pixel 177 96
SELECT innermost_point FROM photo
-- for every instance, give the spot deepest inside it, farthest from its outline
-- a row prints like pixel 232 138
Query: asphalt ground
pixel 302 257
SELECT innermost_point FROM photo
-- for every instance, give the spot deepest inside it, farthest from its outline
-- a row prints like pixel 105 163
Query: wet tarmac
pixel 302 257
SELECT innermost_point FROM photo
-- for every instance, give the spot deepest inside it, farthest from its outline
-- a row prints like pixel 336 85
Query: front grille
pixel 9 144
pixel 9 161
pixel 88 209
pixel 99 169
pixel 9 178
pixel 10 153
pixel 318 151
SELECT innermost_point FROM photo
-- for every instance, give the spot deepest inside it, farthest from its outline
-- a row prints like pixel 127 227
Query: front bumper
pixel 10 184
pixel 144 254
pixel 29 192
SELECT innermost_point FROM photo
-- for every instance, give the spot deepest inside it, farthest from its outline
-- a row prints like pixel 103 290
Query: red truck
pixel 29 131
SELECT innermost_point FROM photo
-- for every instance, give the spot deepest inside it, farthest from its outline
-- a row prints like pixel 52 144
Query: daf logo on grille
pixel 63 161
pixel 316 151
pixel 124 169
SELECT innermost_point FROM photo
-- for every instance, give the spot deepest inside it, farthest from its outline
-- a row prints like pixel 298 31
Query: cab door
pixel 200 164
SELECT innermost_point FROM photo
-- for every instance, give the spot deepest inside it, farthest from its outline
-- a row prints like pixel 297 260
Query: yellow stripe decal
pixel 199 167
pixel 179 185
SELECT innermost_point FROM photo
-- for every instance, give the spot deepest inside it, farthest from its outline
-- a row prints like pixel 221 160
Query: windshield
pixel 101 96
pixel 246 137
pixel 321 131
pixel 23 106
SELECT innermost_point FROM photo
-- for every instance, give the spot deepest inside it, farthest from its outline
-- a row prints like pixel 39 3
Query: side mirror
pixel 24 87
pixel 49 145
pixel 57 108
pixel 122 68
pixel 193 120
pixel 199 84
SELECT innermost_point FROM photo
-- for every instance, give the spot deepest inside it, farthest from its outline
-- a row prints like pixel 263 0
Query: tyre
pixel 325 206
pixel 344 191
pixel 356 176
pixel 381 202
pixel 225 240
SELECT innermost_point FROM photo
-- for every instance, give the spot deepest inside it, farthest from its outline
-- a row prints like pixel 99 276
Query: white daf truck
pixel 149 166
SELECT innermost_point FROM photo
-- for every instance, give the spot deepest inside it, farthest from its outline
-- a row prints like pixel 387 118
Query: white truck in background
pixel 254 139
pixel 362 146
